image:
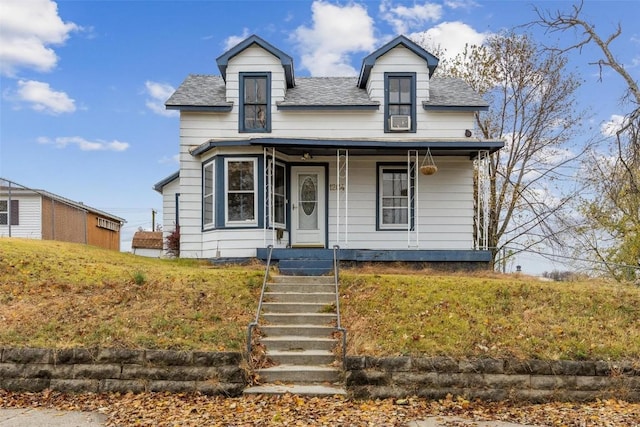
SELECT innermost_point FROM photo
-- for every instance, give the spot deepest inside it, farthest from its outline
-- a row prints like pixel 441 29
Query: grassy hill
pixel 61 295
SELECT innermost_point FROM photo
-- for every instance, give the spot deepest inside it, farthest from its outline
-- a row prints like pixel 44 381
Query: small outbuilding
pixel 147 243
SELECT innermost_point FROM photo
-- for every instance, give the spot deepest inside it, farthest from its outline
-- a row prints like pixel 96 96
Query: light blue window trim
pixel 255 103
pixel 208 194
pixel 397 101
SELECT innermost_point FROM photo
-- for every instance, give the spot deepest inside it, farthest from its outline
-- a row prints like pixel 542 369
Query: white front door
pixel 308 206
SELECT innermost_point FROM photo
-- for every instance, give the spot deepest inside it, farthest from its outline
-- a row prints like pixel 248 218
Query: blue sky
pixel 83 82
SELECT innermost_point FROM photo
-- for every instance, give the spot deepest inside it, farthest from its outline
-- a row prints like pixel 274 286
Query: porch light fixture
pixel 306 156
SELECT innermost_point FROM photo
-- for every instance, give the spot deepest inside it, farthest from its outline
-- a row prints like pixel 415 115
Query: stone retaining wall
pixel 120 370
pixel 491 379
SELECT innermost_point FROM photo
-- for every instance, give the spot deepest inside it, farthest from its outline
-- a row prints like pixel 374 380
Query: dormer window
pixel 400 102
pixel 255 101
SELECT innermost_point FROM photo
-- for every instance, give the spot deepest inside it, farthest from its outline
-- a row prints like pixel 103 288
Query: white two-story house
pixel 268 159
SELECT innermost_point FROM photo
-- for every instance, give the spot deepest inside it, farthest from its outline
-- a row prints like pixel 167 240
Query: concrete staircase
pixel 297 323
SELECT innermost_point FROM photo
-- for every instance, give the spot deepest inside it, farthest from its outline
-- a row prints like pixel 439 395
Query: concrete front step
pixel 305 330
pixel 303 279
pixel 293 343
pixel 302 287
pixel 298 389
pixel 305 267
pixel 304 357
pixel 300 318
pixel 311 297
pixel 299 374
pixel 296 307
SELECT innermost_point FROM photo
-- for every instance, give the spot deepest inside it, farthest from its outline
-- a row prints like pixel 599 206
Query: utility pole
pixel 153 219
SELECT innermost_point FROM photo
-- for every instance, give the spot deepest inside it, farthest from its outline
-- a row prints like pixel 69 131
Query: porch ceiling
pixel 327 147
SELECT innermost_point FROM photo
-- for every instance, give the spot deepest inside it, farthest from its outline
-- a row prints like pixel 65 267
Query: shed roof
pixel 147 240
pixel 7 185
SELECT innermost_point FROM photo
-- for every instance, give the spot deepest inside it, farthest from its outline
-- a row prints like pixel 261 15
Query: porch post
pixel 342 196
pixel 482 200
pixel 413 232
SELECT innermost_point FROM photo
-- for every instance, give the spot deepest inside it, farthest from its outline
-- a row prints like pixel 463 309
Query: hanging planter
pixel 428 166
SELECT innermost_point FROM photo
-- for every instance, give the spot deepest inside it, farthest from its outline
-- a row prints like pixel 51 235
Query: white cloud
pixel 84 144
pixel 452 37
pixel 28 29
pixel 460 4
pixel 231 41
pixel 173 159
pixel 613 125
pixel 159 93
pixel 43 98
pixel 336 32
pixel 404 19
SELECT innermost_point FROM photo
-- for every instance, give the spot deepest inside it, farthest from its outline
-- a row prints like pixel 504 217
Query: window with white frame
pixel 4 212
pixel 241 201
pixel 393 196
pixel 279 196
pixel 208 200
pixel 108 224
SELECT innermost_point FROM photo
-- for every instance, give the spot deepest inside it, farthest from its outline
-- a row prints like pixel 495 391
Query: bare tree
pixel 558 21
pixel 608 226
pixel 532 100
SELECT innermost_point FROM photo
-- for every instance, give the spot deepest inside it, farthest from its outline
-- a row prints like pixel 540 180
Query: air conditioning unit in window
pixel 400 123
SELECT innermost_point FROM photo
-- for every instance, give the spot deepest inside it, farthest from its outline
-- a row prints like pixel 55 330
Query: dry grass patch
pixel 508 316
pixel 61 295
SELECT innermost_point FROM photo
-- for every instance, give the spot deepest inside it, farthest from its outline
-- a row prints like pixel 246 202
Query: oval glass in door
pixel 308 201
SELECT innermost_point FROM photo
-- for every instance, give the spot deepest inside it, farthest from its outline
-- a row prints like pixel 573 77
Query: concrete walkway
pixel 49 418
pixel 52 418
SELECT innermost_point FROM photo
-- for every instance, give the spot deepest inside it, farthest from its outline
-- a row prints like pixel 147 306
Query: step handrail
pixel 264 286
pixel 336 279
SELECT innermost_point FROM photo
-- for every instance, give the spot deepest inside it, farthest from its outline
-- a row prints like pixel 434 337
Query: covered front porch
pixel 351 203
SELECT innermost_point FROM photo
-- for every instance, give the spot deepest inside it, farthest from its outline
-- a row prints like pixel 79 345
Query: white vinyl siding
pixel 444 213
pixel 169 218
pixel 30 217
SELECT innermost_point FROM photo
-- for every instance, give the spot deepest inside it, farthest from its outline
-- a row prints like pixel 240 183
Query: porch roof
pixel 468 147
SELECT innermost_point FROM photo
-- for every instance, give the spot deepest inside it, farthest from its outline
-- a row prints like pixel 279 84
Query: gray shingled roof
pixel 452 92
pixel 327 91
pixel 201 91
pixel 209 91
